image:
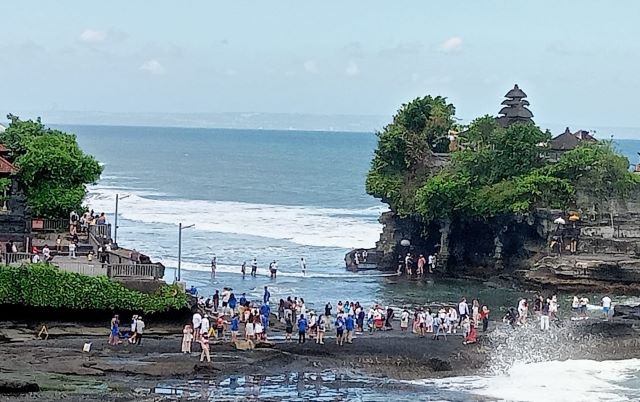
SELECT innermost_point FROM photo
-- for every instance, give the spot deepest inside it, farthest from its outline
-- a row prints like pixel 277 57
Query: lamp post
pixel 115 226
pixel 180 228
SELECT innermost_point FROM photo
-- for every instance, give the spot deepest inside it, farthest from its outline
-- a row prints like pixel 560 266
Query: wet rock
pixel 17 387
pixel 627 312
pixel 244 345
pixel 438 365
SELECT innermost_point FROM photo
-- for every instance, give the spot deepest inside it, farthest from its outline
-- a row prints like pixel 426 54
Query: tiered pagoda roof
pixel 515 108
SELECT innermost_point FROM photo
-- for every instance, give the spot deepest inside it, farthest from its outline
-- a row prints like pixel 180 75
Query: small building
pixel 567 141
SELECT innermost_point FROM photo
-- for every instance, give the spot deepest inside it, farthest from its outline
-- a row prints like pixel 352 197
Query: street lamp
pixel 115 227
pixel 180 228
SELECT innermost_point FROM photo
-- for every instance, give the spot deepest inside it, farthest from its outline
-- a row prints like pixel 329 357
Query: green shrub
pixel 41 285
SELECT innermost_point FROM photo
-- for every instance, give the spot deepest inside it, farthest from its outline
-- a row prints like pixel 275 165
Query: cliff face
pixel 607 245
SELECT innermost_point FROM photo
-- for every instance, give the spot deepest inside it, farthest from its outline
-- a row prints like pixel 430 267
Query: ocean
pixel 283 195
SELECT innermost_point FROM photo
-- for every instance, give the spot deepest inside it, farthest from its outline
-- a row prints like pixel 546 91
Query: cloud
pixel 352 69
pixel 152 66
pixel 451 45
pixel 93 36
pixel 311 67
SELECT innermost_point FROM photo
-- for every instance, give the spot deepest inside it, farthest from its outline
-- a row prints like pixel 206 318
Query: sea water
pixel 283 195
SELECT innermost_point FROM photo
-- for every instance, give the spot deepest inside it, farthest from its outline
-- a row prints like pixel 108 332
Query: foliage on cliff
pixel 418 128
pixel 53 169
pixel 498 171
pixel 41 285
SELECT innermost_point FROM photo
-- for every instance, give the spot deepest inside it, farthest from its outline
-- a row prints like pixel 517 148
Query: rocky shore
pixel 56 369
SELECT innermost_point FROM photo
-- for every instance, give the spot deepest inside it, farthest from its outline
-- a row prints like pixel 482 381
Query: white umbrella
pixel 560 221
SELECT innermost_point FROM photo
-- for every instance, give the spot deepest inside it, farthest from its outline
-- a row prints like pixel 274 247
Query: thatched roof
pixel 568 140
pixel 516 93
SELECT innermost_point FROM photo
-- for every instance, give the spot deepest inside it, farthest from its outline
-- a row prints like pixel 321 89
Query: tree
pixel 53 169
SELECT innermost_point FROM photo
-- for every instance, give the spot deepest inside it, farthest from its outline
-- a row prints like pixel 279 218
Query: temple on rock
pixel 567 141
pixel 515 108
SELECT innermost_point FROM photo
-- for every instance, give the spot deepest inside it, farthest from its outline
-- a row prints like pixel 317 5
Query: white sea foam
pixel 264 271
pixel 565 381
pixel 311 226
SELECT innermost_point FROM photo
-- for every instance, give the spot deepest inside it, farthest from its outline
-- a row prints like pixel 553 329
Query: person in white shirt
pixel 139 330
pixel 204 325
pixel 35 259
pixel 197 322
pixel 72 250
pixel 46 253
pixel 463 310
pixel 303 266
pixel 606 306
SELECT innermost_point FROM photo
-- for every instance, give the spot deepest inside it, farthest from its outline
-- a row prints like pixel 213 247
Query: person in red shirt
pixel 484 317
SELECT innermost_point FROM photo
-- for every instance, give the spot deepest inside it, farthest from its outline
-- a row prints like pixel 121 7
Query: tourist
pixel 205 325
pixel 226 295
pixel 322 327
pixel 432 263
pixel 313 322
pixel 463 309
pixel 197 323
pixel 134 256
pixel 407 265
pixel 327 309
pixel 365 255
pixel 511 317
pixel 421 323
pixel 360 319
pixel 235 326
pixel 243 299
pixel 288 328
pixel 243 268
pixel 421 264
pixel 204 343
pixel 484 316
pixel 389 318
pixel 132 334
pixel 259 327
pixel 439 327
pixel 35 258
pixel 553 308
pixel 523 308
pixel 302 329
pixel 114 334
pixel 72 250
pixel 472 335
pixel 59 244
pixel 249 328
pixel 233 302
pixel 220 323
pixel 575 305
pixel 356 260
pixel 475 312
pixel 266 296
pixel 544 316
pixel 452 321
pixel 102 219
pixel 606 306
pixel 340 325
pixel 214 266
pixel 254 267
pixel 466 327
pixel 187 338
pixel 303 266
pixel 584 302
pixel 273 269
pixel 14 248
pixel 428 323
pixel 265 312
pixel 139 330
pixel 349 327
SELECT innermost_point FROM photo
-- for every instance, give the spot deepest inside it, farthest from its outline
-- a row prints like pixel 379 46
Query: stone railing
pixel 99 234
pixel 151 271
pixel 49 225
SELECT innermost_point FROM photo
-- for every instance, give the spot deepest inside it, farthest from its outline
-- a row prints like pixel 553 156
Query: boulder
pixel 18 387
pixel 627 312
pixel 244 345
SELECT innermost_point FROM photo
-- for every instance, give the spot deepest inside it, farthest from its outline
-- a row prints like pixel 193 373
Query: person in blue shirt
pixel 232 302
pixel 340 330
pixel 302 329
pixel 349 325
pixel 235 326
pixel 265 312
pixel 266 296
pixel 243 300
pixel 193 291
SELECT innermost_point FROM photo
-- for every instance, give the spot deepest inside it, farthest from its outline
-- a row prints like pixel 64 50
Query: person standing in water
pixel 214 266
pixel 254 267
pixel 303 266
pixel 243 269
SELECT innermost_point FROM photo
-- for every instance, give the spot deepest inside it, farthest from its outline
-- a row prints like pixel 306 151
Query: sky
pixel 577 60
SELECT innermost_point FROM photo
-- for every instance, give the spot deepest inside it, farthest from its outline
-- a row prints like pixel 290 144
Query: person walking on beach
pixel 187 338
pixel 254 267
pixel 243 268
pixel 216 301
pixel 288 328
pixel 302 329
pixel 214 266
pixel 349 327
pixel 303 266
pixel 114 335
pixel 606 306
pixel 267 296
pixel 404 320
pixel 132 334
pixel 484 317
pixel 340 325
pixel 322 327
pixel 463 311
pixel 544 315
pixel 204 343
pixel 235 326
pixel 139 330
pixel 421 263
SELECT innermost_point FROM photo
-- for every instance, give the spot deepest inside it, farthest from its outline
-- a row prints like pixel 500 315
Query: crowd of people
pixel 132 334
pixel 412 265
